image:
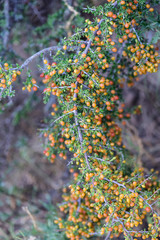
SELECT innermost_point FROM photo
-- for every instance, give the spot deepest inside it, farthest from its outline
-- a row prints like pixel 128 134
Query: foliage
pixel 108 196
pixel 17 19
pixel 47 231
pixel 53 29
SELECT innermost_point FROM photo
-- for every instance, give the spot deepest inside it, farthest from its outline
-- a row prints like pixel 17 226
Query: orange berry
pixel 65 47
pixel 110 229
pixel 112 43
pixel 88 59
pixel 76 91
pixel 100 55
pixel 122 2
pixel 134 7
pixel 35 88
pixel 110 14
pixel 130 35
pixel 6 64
pixel 3 80
pixel 60 71
pixel 99 32
pixel 114 16
pixel 148 209
pixel 153 231
pixel 45 61
pixel 125 37
pixel 120 40
pixel 126 25
pixel 18 73
pixel 73 85
pixel 151 9
pixel 127 31
pixel 33 81
pixel 114 49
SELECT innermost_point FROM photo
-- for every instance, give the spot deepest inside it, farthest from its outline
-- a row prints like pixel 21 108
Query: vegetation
pixel 110 196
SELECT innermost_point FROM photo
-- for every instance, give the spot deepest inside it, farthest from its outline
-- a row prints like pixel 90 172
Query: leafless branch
pixel 45 50
pixel 75 13
pixel 71 8
pixel 32 218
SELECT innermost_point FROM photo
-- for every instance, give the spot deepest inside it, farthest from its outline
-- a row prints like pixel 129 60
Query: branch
pixel 75 97
pixel 71 8
pixel 45 50
pixel 61 117
pixel 108 235
pixel 137 36
pixel 90 41
pixel 75 13
pixel 79 130
pixel 30 59
pixel 32 218
pixel 130 190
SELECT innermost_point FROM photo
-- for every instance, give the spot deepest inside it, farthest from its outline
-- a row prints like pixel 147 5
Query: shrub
pixel 108 197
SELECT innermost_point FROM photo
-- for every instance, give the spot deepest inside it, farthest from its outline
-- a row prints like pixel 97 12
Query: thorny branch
pixel 75 97
pixel 62 116
pixel 79 130
pixel 130 190
pixel 30 59
pixel 37 54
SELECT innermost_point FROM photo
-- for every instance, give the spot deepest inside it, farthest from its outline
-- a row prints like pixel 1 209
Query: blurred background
pixel 30 186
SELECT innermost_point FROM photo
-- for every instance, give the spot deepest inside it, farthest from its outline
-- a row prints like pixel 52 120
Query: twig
pixel 137 35
pixel 31 217
pixel 90 41
pixel 75 13
pixel 30 59
pixel 90 77
pixel 61 117
pixel 79 129
pixel 70 8
pixel 154 193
